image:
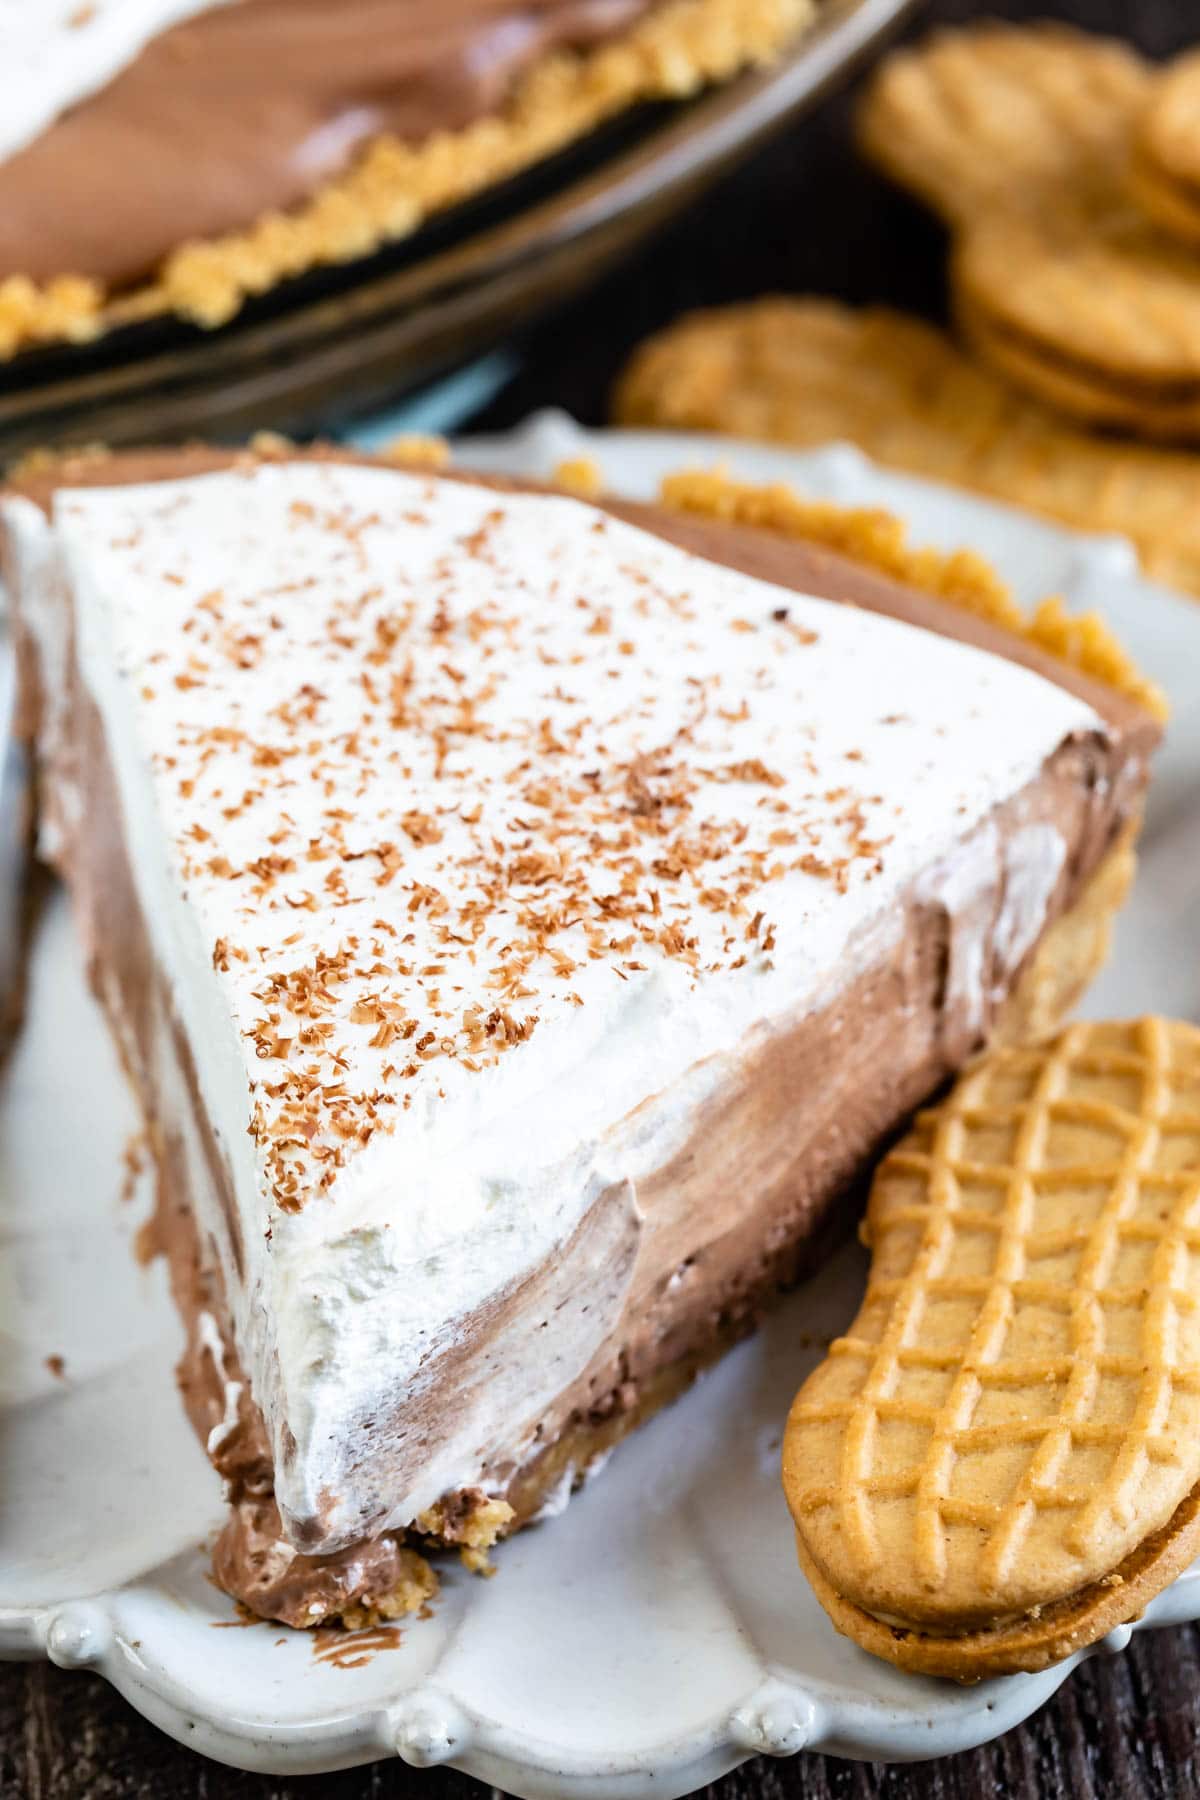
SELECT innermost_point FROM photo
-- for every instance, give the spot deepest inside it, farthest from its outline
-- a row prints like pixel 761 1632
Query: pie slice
pixel 523 920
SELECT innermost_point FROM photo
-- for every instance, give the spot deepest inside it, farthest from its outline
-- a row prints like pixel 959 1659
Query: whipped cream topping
pixel 477 833
pixel 57 52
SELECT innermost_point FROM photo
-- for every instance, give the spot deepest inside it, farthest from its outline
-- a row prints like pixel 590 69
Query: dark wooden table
pixel 803 217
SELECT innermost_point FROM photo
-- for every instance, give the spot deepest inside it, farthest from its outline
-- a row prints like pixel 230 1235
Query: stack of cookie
pixel 1038 148
pixel 1067 169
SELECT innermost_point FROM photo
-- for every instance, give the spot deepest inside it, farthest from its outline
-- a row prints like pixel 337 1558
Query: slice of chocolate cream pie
pixel 522 921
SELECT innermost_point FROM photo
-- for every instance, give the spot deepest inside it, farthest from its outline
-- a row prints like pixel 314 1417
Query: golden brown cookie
pixel 811 371
pixel 1000 1461
pixel 1165 168
pixel 1021 139
pixel 1098 318
pixel 993 117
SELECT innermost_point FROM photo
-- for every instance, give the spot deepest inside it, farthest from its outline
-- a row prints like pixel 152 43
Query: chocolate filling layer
pixel 249 108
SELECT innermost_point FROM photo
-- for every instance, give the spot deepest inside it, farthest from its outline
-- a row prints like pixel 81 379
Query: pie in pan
pixel 181 156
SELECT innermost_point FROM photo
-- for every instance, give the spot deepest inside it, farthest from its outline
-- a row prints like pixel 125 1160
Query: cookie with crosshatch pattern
pixel 1021 138
pixel 1165 165
pixel 1000 1460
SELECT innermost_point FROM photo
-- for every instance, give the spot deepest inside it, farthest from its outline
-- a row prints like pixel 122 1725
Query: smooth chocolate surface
pixel 248 108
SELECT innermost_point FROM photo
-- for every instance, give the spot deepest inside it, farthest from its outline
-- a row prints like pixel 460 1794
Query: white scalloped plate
pixel 659 1631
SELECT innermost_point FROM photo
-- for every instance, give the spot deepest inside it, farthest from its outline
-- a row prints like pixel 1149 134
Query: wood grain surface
pixel 803 217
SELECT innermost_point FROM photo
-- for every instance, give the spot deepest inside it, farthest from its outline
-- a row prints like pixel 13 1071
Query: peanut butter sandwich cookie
pixel 1165 169
pixel 1021 139
pixel 1000 1461
pixel 993 117
pixel 809 371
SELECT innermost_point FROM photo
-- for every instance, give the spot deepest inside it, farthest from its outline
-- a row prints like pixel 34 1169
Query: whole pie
pixel 182 155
